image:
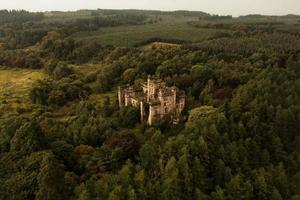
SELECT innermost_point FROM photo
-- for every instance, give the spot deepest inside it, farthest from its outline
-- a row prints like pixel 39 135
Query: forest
pixel 63 135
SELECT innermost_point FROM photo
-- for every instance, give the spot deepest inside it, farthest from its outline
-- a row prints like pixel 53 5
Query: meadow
pixel 176 28
pixel 15 85
pixel 57 16
pixel 67 138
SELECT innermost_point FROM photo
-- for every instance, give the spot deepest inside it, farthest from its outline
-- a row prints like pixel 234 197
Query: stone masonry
pixel 155 100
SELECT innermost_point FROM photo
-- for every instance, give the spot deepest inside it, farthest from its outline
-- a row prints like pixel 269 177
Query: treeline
pixel 19 39
pixel 148 12
pixel 243 45
pixel 92 24
pixel 21 59
pixel 19 29
pixel 64 86
pixel 22 35
pixel 214 17
pixel 18 16
pixel 239 138
pixel 290 16
pixel 165 40
pixel 250 27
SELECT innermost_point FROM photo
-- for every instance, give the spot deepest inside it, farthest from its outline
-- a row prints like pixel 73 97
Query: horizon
pixel 225 7
pixel 45 11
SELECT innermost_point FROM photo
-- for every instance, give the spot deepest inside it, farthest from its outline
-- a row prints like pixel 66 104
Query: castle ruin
pixel 154 99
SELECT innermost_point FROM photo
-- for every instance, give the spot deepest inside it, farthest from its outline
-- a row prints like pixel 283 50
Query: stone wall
pixel 161 100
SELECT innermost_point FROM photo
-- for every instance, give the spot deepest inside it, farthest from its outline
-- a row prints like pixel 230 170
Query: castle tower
pixel 154 99
pixel 151 115
pixel 148 88
pixel 174 90
pixel 142 111
pixel 120 97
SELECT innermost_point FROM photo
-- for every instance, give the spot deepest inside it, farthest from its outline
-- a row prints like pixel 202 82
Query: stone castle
pixel 155 100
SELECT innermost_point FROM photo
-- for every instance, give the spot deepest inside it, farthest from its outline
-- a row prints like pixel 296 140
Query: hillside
pixel 15 85
pixel 132 35
pixel 63 134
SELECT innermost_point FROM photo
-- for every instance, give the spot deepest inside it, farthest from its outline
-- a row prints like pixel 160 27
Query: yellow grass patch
pixel 161 45
pixel 15 85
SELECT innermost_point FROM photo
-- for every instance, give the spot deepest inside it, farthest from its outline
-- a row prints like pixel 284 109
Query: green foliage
pixel 129 116
pixel 238 188
pixel 61 70
pixel 57 93
pixel 19 175
pixel 50 179
pixel 27 139
pixel 238 138
pixel 21 59
pixel 19 16
pixel 94 23
pixel 201 114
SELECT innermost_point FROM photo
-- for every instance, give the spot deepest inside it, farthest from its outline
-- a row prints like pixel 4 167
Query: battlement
pixel 155 100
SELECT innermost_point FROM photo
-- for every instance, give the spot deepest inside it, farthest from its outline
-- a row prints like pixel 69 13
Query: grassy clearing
pixel 66 16
pixel 85 69
pixel 66 112
pixel 161 45
pixel 97 99
pixel 14 88
pixel 131 35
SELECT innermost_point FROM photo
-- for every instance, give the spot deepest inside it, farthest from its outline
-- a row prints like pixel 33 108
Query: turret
pixel 120 97
pixel 142 111
pixel 174 90
pixel 148 88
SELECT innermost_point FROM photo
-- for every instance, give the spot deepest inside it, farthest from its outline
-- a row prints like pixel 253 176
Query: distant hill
pixel 270 16
pixel 129 11
pixel 152 12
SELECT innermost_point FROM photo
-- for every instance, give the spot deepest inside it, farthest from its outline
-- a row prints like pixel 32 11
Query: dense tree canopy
pixel 238 138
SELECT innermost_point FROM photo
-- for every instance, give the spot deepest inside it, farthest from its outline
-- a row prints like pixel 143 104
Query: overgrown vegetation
pixel 70 140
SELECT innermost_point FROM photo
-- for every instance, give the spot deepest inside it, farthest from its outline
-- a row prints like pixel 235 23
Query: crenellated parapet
pixel 154 99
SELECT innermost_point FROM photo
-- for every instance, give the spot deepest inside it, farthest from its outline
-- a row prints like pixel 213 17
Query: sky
pixel 221 7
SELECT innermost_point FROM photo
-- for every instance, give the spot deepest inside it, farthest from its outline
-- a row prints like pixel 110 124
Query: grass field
pixel 85 69
pixel 14 88
pixel 131 35
pixel 171 27
pixel 98 99
pixel 66 16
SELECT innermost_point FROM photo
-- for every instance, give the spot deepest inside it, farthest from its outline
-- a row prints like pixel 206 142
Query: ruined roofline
pixel 167 91
pixel 128 87
pixel 159 98
pixel 159 81
pixel 139 96
pixel 134 97
pixel 155 79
